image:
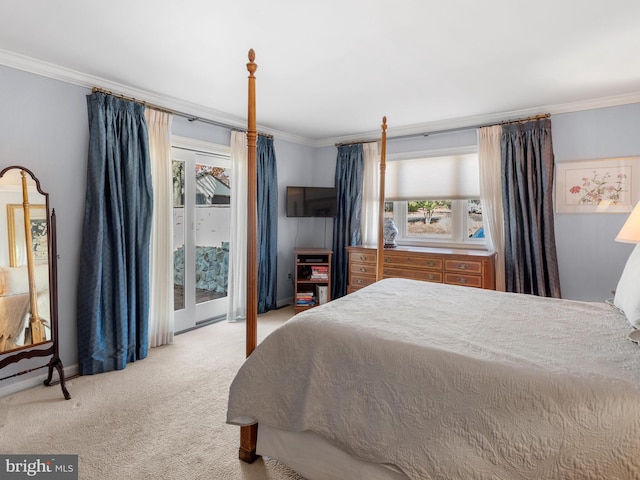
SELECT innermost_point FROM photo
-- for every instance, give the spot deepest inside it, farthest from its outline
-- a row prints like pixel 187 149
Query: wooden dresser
pixel 472 268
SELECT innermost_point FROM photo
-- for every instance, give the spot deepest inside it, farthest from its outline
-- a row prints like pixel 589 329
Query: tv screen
pixel 311 202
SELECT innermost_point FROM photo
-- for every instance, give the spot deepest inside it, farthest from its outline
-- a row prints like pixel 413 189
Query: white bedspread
pixel 454 383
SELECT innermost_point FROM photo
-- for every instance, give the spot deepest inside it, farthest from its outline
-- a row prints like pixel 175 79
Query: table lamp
pixel 630 231
pixel 627 296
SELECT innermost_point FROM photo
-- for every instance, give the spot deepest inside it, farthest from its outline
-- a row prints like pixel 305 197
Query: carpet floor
pixel 160 418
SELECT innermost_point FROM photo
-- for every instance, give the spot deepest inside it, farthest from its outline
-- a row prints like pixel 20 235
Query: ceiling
pixel 329 70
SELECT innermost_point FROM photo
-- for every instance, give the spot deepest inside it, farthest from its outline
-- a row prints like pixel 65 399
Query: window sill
pixel 442 244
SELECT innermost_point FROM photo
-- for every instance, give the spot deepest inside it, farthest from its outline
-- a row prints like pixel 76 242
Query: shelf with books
pixel 312 283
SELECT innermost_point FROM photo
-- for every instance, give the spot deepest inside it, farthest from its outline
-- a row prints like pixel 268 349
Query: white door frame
pixel 192 151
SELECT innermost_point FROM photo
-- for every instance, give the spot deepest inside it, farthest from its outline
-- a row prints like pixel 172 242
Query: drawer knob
pixel 359 282
pixel 363 269
pixel 363 258
pixel 431 264
pixel 462 280
pixel 462 266
pixel 387 272
pixel 430 276
pixel 387 259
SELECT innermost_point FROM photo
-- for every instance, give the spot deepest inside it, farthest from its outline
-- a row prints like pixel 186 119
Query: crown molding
pixel 74 77
pixel 443 126
pixel 63 74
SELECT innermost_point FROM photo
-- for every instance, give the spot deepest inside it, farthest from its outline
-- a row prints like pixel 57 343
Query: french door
pixel 201 226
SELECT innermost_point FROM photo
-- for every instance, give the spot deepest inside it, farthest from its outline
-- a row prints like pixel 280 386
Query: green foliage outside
pixel 428 207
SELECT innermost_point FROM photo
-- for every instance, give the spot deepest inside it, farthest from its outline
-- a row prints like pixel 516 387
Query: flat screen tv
pixel 311 202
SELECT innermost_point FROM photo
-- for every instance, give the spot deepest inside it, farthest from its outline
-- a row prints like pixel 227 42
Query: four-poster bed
pixel 248 434
pixel 407 379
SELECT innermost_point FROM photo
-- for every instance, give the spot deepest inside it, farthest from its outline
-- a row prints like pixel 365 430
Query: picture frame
pixel 609 185
pixel 17 243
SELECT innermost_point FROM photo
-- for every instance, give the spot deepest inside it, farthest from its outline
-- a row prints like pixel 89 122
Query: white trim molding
pixel 57 72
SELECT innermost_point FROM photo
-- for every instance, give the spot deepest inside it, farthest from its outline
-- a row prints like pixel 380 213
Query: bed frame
pixel 249 434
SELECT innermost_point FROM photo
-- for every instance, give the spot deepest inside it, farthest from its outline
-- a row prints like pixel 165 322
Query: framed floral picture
pixel 610 185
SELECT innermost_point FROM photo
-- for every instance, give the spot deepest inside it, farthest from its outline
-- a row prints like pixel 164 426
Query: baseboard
pixel 38 380
pixel 284 302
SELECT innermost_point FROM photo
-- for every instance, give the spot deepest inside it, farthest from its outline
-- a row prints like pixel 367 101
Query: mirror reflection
pixel 25 312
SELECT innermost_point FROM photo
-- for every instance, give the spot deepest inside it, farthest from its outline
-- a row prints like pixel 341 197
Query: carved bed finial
pixel 251 66
pixel 384 122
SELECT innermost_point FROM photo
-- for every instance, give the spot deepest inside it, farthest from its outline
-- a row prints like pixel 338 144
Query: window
pixel 437 221
pixel 435 199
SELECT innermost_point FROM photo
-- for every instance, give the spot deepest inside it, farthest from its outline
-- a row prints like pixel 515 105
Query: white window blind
pixel 450 177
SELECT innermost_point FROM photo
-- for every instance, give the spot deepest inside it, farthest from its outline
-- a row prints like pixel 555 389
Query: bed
pixel 442 381
pixel 415 380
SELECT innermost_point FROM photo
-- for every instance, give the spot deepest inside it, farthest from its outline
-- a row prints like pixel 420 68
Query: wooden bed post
pixel 249 434
pixel 383 167
pixel 35 324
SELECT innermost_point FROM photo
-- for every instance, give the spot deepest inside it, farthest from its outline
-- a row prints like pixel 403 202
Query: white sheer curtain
pixel 161 251
pixel 237 285
pixel 370 195
pixel 491 195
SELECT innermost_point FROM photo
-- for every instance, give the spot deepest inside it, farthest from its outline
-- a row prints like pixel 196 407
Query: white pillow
pixel 15 280
pixel 627 297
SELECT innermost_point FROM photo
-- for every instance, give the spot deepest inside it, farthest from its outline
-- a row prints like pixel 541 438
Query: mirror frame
pixel 51 346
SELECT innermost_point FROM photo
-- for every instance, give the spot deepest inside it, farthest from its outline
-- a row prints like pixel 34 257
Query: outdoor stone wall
pixel 212 267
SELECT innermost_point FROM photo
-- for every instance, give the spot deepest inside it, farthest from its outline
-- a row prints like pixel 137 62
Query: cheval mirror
pixel 28 275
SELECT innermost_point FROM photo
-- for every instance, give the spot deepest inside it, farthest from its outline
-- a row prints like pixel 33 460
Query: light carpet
pixel 160 418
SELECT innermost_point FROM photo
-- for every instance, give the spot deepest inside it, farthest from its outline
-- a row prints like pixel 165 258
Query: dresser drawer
pixel 463 266
pixel 463 279
pixel 359 281
pixel 362 268
pixel 424 275
pixel 440 265
pixel 363 257
pixel 412 260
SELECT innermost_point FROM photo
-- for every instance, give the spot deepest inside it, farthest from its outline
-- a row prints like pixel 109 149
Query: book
pixel 319 272
pixel 304 298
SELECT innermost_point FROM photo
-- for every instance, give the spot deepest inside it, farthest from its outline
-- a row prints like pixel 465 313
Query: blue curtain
pixel 267 224
pixel 346 225
pixel 113 286
pixel 531 264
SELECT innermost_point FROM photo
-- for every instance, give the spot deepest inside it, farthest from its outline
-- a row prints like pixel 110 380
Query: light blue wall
pixel 590 261
pixel 200 131
pixel 297 165
pixel 43 126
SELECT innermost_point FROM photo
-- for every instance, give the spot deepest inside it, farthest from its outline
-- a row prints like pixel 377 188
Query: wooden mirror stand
pixel 28 276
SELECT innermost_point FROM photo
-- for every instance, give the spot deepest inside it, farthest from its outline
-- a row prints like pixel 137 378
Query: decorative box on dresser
pixel 472 268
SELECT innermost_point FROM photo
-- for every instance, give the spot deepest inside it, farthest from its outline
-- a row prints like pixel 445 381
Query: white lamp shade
pixel 630 231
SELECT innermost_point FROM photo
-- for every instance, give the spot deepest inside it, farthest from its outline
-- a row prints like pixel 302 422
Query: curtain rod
pixel 456 129
pixel 190 118
pixel 527 119
pixel 482 125
pixel 355 142
pixel 260 134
